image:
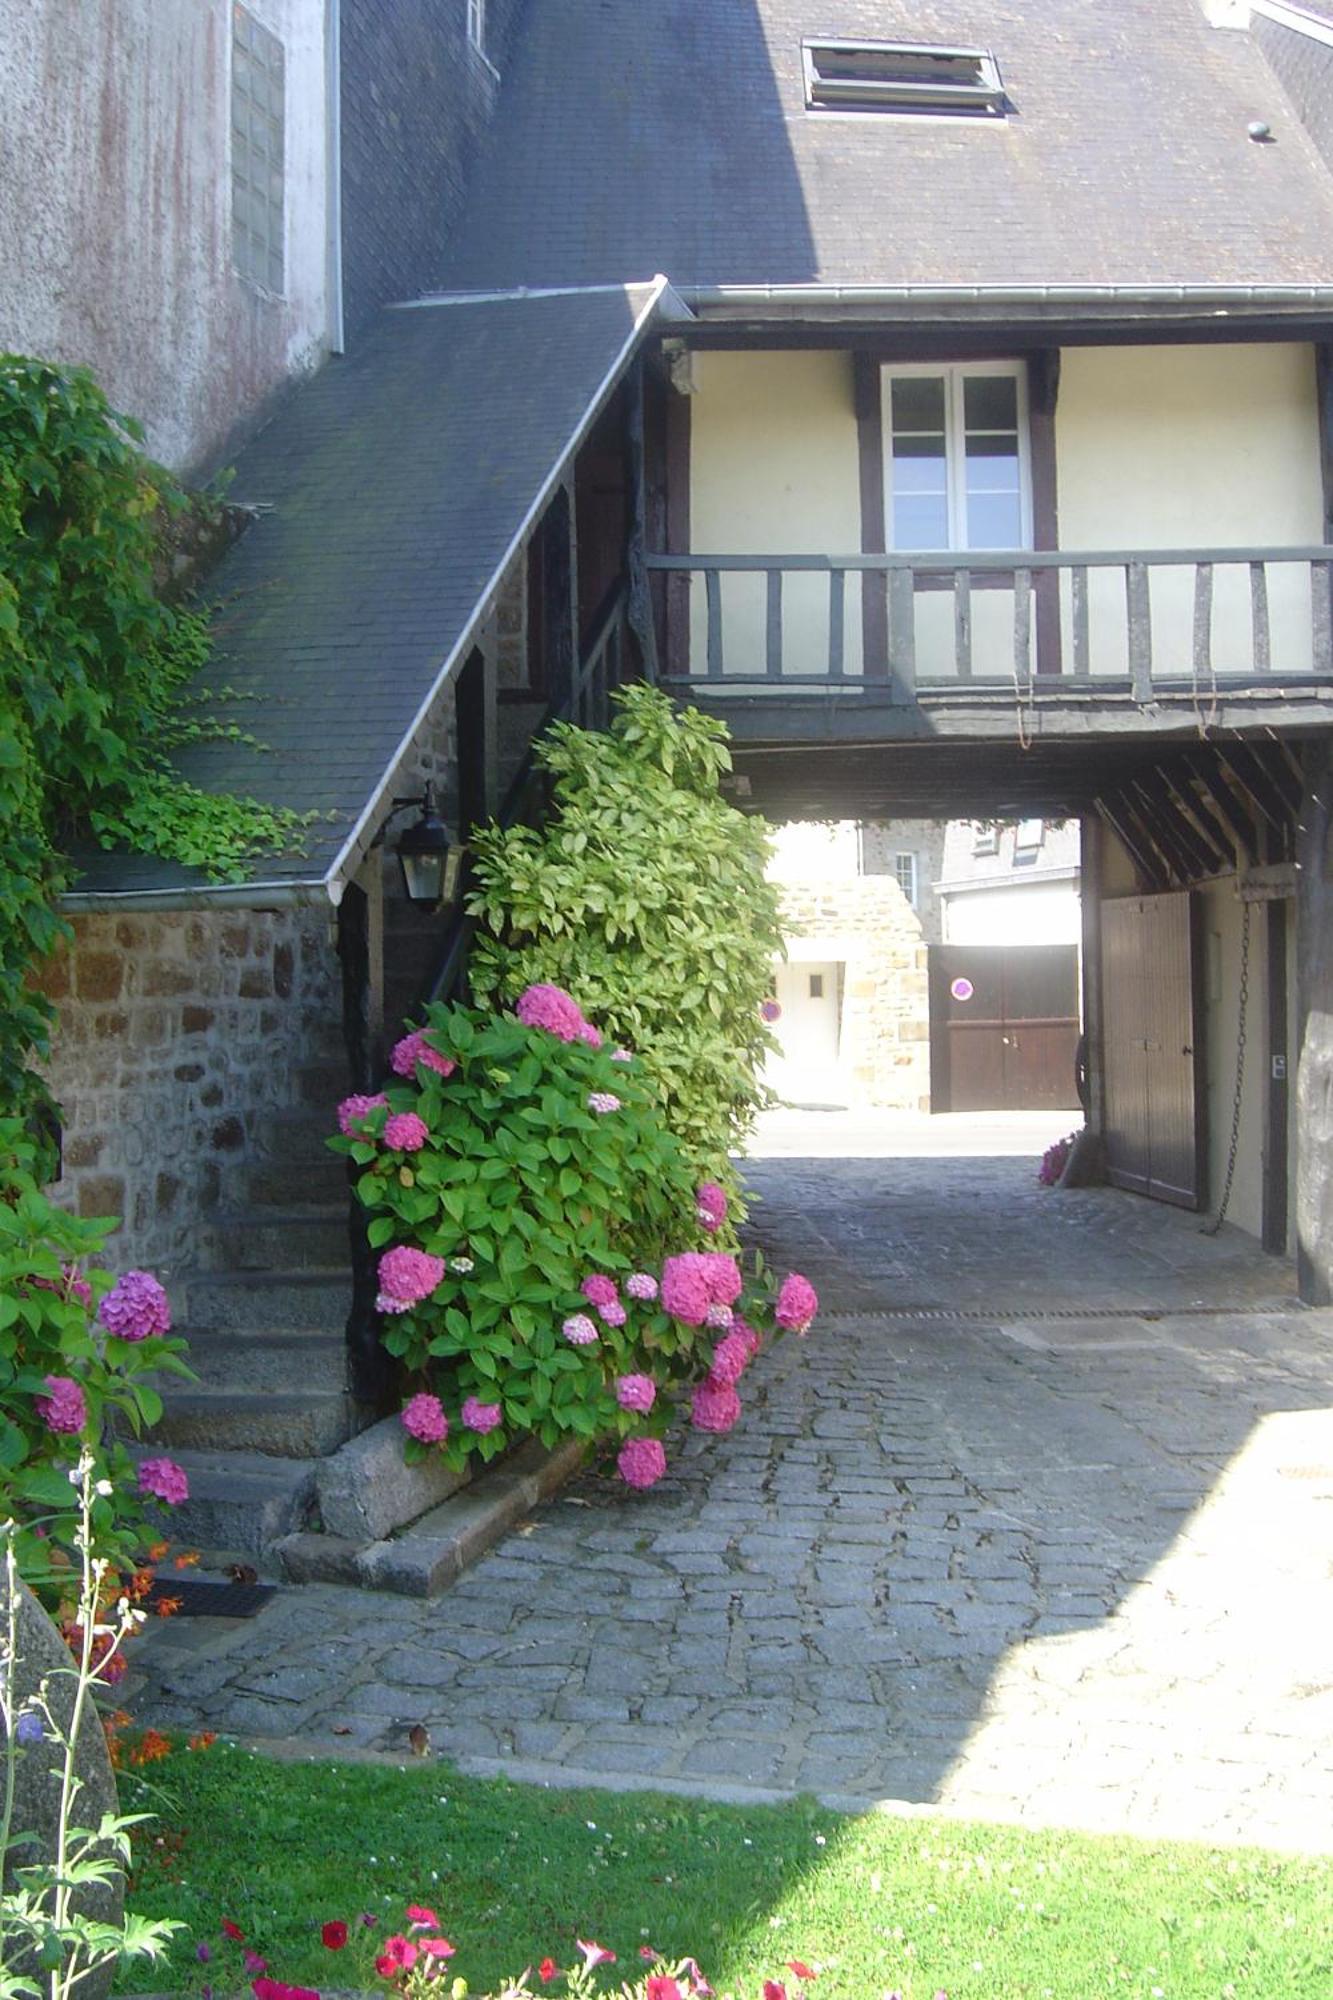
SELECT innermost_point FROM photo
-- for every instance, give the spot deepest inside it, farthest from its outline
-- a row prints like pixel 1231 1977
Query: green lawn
pixel 878 1904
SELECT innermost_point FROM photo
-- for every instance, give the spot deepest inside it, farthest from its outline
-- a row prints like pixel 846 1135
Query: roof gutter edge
pixel 203 895
pixel 1218 297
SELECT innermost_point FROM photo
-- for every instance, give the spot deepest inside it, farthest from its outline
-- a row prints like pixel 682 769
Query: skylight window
pixel 901 76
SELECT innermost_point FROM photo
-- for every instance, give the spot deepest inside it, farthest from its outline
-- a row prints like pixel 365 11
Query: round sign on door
pixel 962 989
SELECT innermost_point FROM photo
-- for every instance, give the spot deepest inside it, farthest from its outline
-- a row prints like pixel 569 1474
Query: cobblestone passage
pixel 1037 1523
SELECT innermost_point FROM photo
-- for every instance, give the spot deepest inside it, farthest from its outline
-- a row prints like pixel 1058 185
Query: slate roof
pixel 393 486
pixel 673 137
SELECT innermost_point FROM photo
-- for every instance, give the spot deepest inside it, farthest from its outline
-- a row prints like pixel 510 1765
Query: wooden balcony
pixel 1130 628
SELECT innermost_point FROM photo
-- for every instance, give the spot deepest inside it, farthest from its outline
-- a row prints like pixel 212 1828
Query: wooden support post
pixel 639 610
pixel 773 625
pixel 1092 855
pixel 870 455
pixel 1043 390
pixel 902 617
pixel 837 601
pixel 1078 608
pixel 1138 609
pixel 962 624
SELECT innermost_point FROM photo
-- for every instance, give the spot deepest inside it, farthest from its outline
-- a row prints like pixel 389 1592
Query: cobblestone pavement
pixel 1038 1523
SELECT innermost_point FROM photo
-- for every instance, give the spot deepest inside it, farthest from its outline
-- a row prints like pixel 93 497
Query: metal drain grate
pixel 194 1598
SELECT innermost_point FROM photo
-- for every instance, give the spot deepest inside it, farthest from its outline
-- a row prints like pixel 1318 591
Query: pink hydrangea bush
pixel 543 1259
pixel 1055 1159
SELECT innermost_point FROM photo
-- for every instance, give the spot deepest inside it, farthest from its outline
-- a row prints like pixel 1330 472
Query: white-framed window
pixel 985 839
pixel 904 869
pixel 1028 837
pixel 957 461
pixel 900 76
pixel 476 25
pixel 258 172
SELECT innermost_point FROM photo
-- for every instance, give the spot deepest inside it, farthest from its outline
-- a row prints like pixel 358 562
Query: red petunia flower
pixel 254 1963
pixel 547 1970
pixel 646 1951
pixel 801 1969
pixel 661 1986
pixel 437 1948
pixel 400 1951
pixel 233 1931
pixel 594 1953
pixel 334 1935
pixel 774 1990
pixel 274 1989
pixel 419 1917
pixel 386 1967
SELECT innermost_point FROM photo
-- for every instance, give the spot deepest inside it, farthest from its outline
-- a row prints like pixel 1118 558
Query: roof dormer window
pixel 901 76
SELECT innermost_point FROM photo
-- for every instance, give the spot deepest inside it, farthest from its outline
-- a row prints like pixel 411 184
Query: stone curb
pixel 431 1553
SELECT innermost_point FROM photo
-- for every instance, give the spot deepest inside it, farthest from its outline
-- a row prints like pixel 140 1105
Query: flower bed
pixel 544 1268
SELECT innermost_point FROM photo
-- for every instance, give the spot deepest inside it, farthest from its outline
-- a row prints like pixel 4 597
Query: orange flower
pixel 167 1607
pixel 188 1560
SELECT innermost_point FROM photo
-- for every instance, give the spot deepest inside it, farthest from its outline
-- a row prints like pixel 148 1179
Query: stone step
pixel 225 1358
pixel 243 1502
pixel 276 1181
pixel 277 1423
pixel 269 1238
pixel 315 1300
pixel 434 1550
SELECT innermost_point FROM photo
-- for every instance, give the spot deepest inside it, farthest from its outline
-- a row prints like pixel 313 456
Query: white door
pixel 806 1069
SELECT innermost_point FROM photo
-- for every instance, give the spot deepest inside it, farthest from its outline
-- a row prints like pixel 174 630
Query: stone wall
pixel 883 840
pixel 180 1037
pixel 868 926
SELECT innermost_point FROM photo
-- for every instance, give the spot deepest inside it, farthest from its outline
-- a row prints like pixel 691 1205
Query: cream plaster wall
pixel 774 468
pixel 1191 447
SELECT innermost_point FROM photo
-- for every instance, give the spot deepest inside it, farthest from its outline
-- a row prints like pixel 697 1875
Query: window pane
pixel 990 402
pixel 992 471
pixel 994 521
pixel 920 521
pixel 918 403
pixel 920 469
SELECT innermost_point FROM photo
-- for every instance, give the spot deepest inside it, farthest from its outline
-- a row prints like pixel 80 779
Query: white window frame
pixel 955 374
pixel 910 886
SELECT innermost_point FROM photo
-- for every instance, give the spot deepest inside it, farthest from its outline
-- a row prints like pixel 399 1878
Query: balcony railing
pixel 1133 620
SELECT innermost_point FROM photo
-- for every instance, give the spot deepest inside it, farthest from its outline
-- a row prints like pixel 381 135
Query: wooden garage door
pixel 1154 1141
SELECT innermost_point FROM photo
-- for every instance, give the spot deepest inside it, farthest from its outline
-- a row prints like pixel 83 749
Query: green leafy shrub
pixel 50 1332
pixel 524 1192
pixel 93 664
pixel 644 896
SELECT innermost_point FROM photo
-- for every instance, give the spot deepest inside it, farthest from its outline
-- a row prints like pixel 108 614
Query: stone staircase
pixel 264 1312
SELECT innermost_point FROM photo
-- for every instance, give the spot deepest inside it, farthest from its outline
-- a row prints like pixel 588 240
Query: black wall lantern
pixel 428 855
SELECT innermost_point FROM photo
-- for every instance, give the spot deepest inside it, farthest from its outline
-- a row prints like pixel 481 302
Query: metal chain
pixel 1211 1228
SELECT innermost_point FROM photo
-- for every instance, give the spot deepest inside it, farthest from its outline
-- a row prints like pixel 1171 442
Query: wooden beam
pixel 1043 391
pixel 1212 840
pixel 1172 832
pixel 1219 835
pixel 1119 815
pixel 868 395
pixel 1202 766
pixel 640 606
pixel 1251 773
pixel 677 414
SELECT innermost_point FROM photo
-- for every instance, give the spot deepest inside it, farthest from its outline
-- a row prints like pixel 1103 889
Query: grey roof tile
pixel 673 137
pixel 391 486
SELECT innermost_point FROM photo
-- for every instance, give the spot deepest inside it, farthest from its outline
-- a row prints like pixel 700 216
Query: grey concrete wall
pixel 116 221
pixel 416 102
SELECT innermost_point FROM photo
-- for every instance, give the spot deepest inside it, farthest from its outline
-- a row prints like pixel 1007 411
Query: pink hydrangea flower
pixel 423 1418
pixel 62 1409
pixel 720 1317
pixel 163 1479
pixel 710 1204
pixel 353 1110
pixel 602 1101
pixel 406 1277
pixel 722 1274
pixel 622 1055
pixel 797 1303
pixel 579 1329
pixel 731 1358
pixel 612 1315
pixel 636 1392
pixel 641 1461
pixel 684 1289
pixel 600 1291
pixel 481 1417
pixel 406 1132
pixel 715 1406
pixel 136 1307
pixel 550 1007
pixel 641 1285
pixel 753 1339
pixel 69 1285
pixel 414 1049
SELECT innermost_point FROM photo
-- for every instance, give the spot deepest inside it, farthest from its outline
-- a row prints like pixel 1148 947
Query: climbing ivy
pixel 644 895
pixel 93 664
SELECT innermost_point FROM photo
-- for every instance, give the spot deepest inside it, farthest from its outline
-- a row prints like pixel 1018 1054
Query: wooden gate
pixel 1003 1027
pixel 1153 1041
